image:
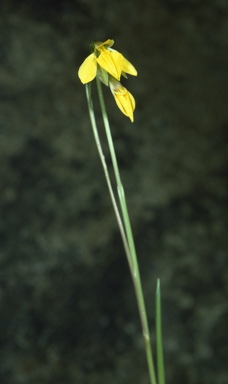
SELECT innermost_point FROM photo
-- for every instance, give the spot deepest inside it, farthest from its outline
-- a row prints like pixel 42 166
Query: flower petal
pixel 88 70
pixel 107 43
pixel 129 68
pixel 112 62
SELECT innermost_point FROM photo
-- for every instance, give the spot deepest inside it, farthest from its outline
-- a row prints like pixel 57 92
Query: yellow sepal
pixel 88 70
pixel 111 61
pixel 108 43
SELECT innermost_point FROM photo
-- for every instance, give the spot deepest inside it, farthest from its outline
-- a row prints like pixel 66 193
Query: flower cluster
pixel 109 65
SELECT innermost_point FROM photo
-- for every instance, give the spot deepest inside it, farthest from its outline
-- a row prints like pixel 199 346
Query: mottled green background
pixel 67 308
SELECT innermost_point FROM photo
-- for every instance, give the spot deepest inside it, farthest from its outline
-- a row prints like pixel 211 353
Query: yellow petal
pixel 124 100
pixel 88 70
pixel 111 61
pixel 107 43
pixel 129 68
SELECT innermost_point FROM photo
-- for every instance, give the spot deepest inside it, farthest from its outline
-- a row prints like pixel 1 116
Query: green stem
pixel 107 177
pixel 127 225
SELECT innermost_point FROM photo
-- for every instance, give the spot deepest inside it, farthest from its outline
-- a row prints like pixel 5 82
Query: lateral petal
pixel 129 68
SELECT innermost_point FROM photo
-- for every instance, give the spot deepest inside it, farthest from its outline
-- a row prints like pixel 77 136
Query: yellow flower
pixel 104 58
pixel 124 99
pixel 108 65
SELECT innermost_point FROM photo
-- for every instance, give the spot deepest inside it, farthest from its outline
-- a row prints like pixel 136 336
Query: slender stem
pixel 103 162
pixel 127 225
pixel 159 343
pixel 120 188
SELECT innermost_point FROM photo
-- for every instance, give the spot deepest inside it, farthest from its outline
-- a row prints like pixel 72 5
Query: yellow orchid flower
pixel 104 58
pixel 124 99
pixel 108 65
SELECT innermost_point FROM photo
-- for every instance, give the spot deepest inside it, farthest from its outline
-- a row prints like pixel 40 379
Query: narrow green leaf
pixel 159 343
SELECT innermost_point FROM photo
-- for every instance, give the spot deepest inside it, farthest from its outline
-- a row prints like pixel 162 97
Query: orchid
pixel 109 65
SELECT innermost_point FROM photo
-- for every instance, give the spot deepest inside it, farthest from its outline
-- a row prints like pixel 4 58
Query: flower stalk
pixel 106 173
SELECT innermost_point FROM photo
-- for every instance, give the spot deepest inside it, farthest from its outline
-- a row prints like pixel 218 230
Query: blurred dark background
pixel 67 306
